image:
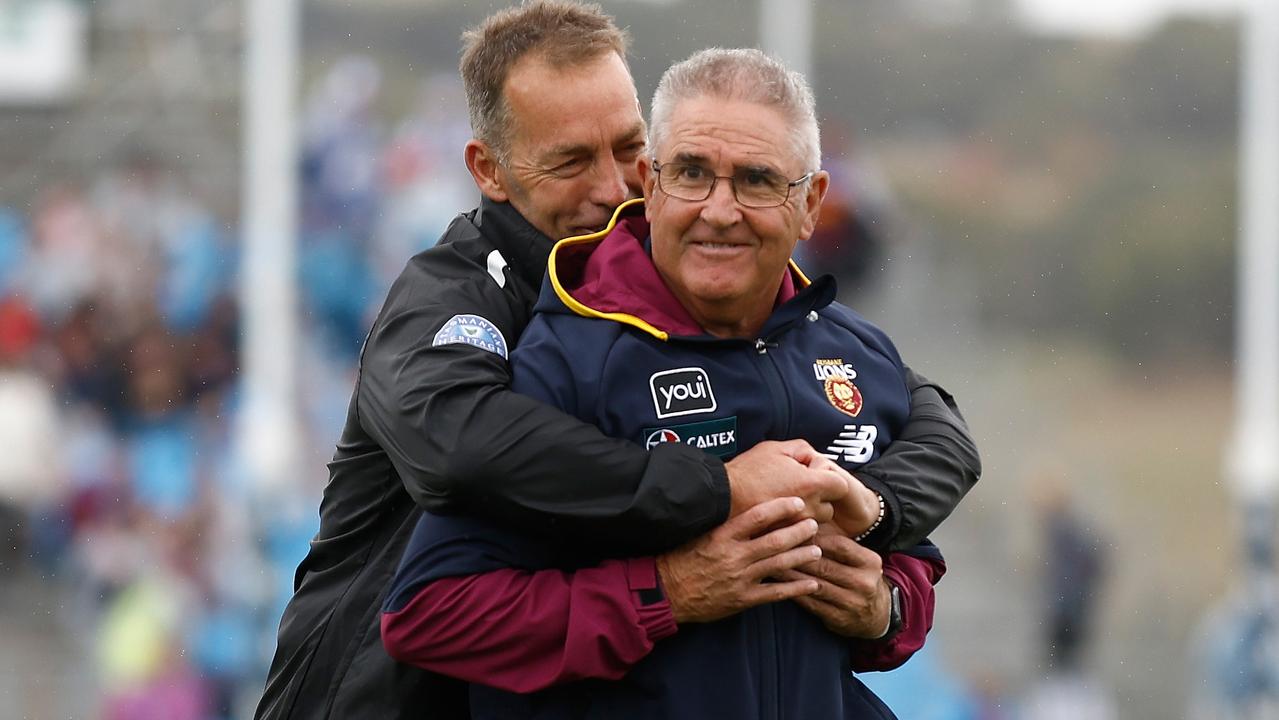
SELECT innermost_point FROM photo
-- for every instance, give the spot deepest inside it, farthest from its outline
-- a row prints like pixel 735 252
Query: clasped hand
pixel 770 548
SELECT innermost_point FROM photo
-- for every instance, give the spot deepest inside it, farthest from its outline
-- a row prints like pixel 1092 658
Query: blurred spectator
pixel 1235 675
pixel 845 243
pixel 215 348
pixel 425 182
pixel 161 442
pixel 146 675
pixel 850 238
pixel 1074 564
pixel 337 287
pixel 340 150
pixel 341 189
pixel 13 251
pixel 30 479
pixel 66 258
pixel 91 365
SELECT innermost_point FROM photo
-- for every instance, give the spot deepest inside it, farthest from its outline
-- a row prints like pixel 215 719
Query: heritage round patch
pixel 657 437
pixel 844 395
pixel 472 330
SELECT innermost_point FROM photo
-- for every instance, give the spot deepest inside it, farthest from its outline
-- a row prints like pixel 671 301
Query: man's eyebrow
pixel 690 158
pixel 760 168
pixel 636 132
pixel 566 151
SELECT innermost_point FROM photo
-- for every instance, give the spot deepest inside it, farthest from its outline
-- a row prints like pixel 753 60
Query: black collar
pixel 523 246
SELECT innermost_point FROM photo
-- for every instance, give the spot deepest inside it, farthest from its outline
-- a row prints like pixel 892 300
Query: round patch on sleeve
pixel 472 330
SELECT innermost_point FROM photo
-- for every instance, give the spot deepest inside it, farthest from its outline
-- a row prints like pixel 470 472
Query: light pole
pixel 786 32
pixel 1252 463
pixel 268 431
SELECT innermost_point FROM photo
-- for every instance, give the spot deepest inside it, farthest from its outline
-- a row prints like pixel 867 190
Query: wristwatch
pixel 894 612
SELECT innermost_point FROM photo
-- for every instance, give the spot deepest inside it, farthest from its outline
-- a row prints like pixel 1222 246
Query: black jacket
pixel 436 426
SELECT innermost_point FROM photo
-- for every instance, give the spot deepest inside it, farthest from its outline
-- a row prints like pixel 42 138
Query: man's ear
pixel 481 160
pixel 648 181
pixel 812 207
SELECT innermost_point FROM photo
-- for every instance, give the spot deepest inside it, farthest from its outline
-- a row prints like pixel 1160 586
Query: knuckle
pixel 834 551
pixel 847 549
pixel 797 559
pixel 784 592
pixel 776 542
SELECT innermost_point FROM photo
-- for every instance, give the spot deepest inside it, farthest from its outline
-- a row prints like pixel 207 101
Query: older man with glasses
pixel 686 322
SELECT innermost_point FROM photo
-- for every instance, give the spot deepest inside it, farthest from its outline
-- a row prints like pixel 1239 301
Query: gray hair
pixel 747 75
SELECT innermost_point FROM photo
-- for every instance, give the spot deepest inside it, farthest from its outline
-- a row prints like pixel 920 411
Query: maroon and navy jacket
pixel 548 629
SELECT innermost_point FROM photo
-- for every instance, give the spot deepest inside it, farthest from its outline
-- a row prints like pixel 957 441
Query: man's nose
pixel 720 209
pixel 612 187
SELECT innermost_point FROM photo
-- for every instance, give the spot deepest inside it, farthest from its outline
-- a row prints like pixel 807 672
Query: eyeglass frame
pixel 657 170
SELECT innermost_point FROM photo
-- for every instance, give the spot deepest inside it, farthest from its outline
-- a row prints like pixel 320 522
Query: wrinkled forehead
pixel 713 130
pixel 550 102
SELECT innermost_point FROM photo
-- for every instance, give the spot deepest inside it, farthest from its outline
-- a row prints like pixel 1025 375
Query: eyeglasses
pixel 753 187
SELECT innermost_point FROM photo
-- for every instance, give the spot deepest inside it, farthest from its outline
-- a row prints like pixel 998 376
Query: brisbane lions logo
pixel 844 395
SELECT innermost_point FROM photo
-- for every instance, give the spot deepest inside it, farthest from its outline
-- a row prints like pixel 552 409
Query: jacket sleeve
pixel 524 631
pixel 462 441
pixel 476 602
pixel 925 471
pixel 914 577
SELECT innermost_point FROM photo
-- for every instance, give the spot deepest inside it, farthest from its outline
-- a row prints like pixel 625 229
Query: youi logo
pixel 683 391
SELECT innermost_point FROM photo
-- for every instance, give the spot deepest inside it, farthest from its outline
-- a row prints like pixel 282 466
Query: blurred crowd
pixel 118 357
pixel 119 483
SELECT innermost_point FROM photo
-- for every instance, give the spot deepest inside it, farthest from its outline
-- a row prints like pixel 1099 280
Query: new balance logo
pixel 855 445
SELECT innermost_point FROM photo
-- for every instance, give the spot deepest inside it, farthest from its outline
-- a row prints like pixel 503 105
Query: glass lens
pixel 687 182
pixel 759 188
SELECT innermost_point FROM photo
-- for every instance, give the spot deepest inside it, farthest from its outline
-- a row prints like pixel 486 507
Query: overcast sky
pixel 1115 16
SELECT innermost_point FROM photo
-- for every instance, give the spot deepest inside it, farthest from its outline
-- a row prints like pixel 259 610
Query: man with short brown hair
pixel 563 35
pixel 433 424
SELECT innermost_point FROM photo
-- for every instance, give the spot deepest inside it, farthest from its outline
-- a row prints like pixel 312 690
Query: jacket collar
pixel 523 246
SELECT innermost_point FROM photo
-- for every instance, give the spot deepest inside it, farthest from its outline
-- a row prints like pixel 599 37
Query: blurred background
pixel 1037 199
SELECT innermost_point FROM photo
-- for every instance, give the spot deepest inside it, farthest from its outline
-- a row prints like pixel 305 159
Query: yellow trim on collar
pixel 626 319
pixel 578 307
pixel 803 279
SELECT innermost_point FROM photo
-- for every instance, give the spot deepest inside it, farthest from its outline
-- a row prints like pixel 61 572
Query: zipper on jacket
pixel 762 346
pixel 770 655
pixel 770 695
pixel 776 385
